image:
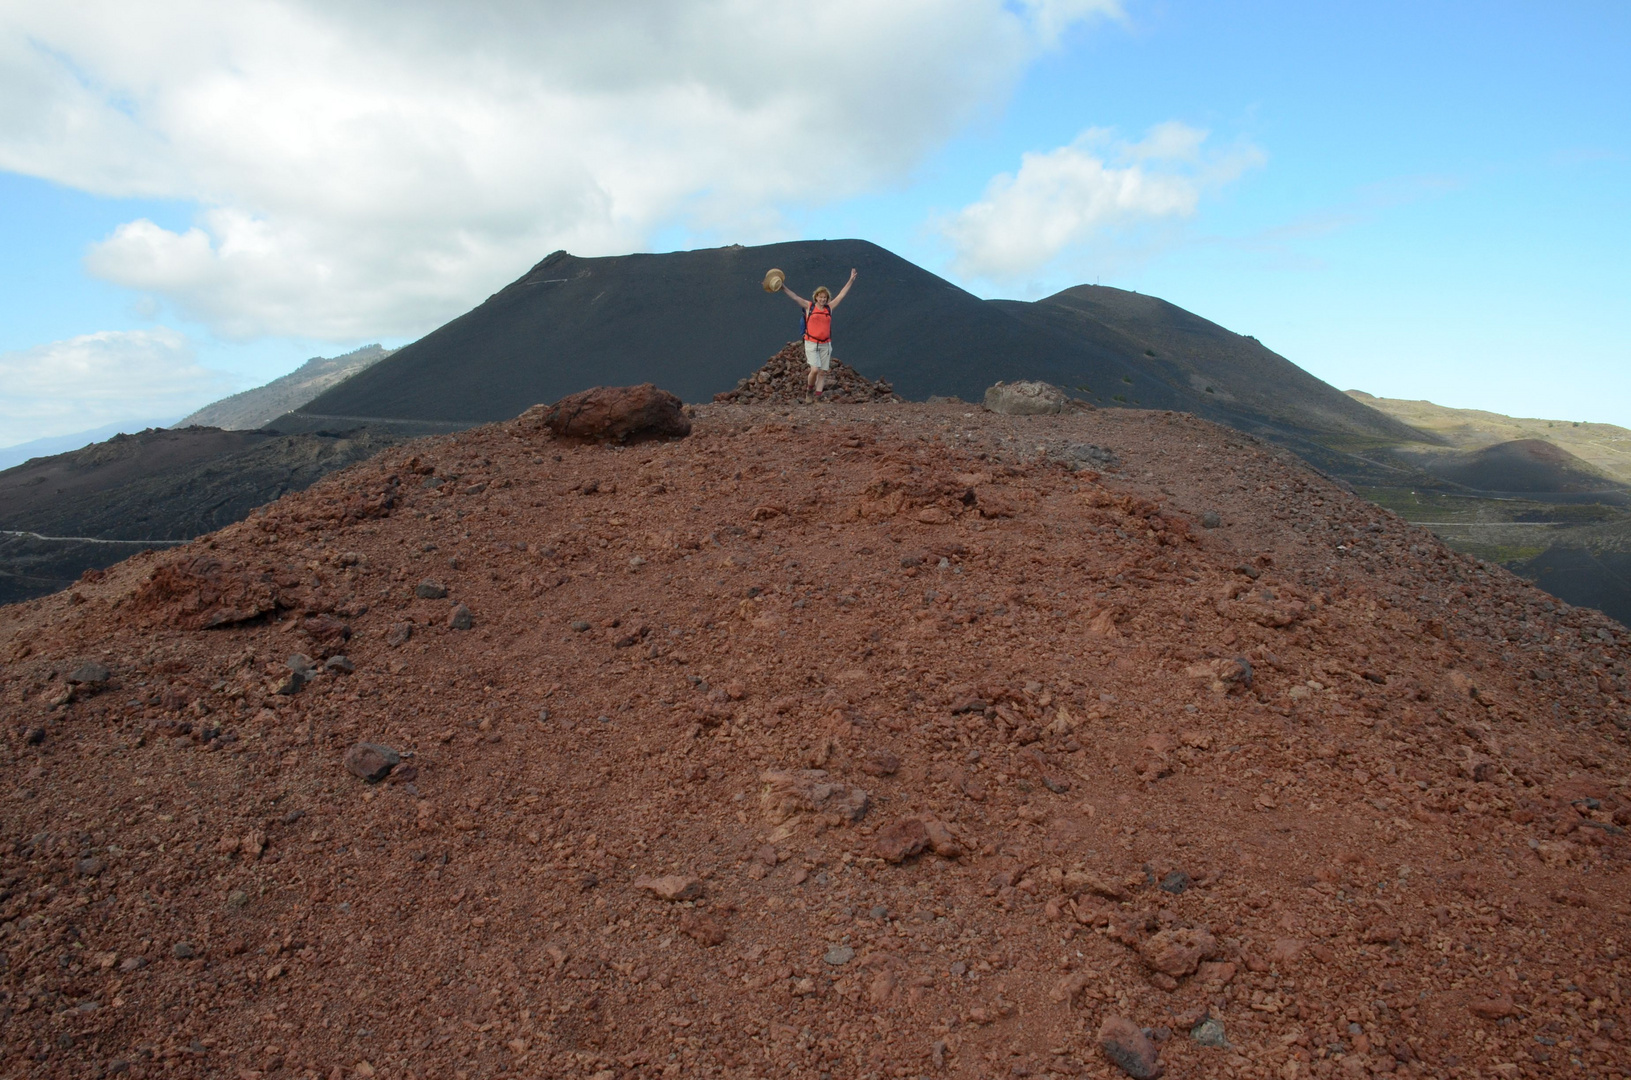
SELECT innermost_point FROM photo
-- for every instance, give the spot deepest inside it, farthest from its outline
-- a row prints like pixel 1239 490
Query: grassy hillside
pixel 1604 445
pixel 1548 499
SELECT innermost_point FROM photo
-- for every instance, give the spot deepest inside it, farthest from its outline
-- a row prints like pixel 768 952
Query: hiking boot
pixel 808 400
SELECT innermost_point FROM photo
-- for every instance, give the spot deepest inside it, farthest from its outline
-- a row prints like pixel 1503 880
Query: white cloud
pixel 1077 194
pixel 115 376
pixel 371 168
pixel 1053 17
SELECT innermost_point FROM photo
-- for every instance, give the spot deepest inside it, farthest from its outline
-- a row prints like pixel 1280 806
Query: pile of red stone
pixel 782 381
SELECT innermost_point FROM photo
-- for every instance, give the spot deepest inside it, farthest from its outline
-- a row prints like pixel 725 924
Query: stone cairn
pixel 781 381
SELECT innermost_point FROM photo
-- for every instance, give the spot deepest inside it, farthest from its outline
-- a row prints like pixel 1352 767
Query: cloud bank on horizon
pixel 370 169
pixel 96 379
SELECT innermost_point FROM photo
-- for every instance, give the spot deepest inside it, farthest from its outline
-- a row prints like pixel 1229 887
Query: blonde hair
pixel 821 290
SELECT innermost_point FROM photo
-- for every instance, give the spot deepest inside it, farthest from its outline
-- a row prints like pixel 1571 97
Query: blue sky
pixel 1414 200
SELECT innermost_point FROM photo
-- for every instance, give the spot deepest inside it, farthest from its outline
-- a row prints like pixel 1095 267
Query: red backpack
pixel 818 323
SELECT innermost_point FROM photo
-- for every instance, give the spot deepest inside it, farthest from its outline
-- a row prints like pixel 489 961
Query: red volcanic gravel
pixel 839 741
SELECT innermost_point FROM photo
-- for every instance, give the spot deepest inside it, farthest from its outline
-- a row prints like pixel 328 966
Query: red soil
pixel 1393 779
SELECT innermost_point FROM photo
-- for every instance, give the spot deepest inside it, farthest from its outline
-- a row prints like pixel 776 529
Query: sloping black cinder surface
pixel 1212 372
pixel 696 321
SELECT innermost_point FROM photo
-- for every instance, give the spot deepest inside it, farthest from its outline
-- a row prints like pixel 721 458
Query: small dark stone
pixel 372 762
pixel 292 683
pixel 1175 882
pixel 1209 1032
pixel 459 618
pixel 340 663
pixel 302 663
pixel 1211 519
pixel 430 590
pixel 183 951
pixel 90 673
pixel 580 625
pixel 292 816
pixel 132 963
pixel 1082 456
pixel 90 866
pixel 399 635
pixel 34 736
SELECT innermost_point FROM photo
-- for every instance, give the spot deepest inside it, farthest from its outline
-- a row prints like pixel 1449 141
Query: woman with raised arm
pixel 818 333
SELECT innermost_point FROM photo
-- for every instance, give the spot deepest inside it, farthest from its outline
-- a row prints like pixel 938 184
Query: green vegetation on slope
pixel 1604 445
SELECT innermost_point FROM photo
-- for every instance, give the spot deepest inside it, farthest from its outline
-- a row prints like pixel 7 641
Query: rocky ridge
pixel 884 740
pixel 262 404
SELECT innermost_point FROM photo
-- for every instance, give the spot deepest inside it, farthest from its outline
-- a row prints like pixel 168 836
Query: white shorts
pixel 818 354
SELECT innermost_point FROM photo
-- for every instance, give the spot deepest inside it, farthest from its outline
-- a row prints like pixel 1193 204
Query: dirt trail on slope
pixel 944 751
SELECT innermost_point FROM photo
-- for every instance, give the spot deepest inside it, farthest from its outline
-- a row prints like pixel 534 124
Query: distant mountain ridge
pixel 52 445
pixel 251 409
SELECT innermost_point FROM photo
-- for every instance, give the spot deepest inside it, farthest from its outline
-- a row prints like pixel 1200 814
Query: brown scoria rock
pixel 371 761
pixel 616 414
pixel 787 794
pixel 706 658
pixel 902 839
pixel 1129 1049
pixel 1177 952
pixel 703 929
pixel 671 886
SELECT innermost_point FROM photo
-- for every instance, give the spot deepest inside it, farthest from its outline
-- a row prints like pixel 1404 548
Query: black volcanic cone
pixel 1227 377
pixel 694 322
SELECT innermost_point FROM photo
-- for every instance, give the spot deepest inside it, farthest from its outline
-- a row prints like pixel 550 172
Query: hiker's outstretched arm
pixel 845 290
pixel 795 297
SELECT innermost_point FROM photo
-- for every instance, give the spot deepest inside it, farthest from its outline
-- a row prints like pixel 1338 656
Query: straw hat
pixel 774 280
